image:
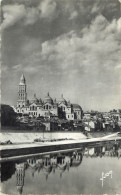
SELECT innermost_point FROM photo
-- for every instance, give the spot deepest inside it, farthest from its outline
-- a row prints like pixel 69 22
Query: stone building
pixel 45 108
pixel 22 94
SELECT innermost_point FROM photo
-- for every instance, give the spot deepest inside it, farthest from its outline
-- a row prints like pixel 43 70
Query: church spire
pixel 22 80
pixel 22 94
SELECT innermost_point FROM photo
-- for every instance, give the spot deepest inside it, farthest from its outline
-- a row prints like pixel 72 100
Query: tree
pixel 8 116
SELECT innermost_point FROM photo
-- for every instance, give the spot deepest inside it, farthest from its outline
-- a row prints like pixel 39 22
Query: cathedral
pixel 46 108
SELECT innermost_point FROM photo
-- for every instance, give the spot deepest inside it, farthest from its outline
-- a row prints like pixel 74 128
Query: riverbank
pixel 23 150
pixel 29 137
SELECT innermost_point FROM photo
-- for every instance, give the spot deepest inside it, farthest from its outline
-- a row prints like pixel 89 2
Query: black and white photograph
pixel 60 97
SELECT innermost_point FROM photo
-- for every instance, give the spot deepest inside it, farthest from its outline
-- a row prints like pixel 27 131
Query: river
pixel 95 170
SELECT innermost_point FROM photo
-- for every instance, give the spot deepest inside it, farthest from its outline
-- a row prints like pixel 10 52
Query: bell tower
pixel 20 174
pixel 22 94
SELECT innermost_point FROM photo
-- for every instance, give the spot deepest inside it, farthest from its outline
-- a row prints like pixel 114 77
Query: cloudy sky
pixel 63 46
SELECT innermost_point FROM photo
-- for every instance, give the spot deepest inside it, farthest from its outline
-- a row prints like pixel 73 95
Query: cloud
pixel 89 43
pixel 17 67
pixel 32 15
pixel 118 66
pixel 83 58
pixel 119 25
pixel 28 13
pixel 48 9
pixel 73 15
pixel 11 14
pixel 76 48
pixel 95 9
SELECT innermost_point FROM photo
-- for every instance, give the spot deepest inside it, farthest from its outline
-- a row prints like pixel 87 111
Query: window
pixel 68 116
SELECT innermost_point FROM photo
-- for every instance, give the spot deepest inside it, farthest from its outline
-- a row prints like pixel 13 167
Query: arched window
pixel 47 107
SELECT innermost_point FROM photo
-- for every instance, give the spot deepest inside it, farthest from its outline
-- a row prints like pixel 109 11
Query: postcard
pixel 60 97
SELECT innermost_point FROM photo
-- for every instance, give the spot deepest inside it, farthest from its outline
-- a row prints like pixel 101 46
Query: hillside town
pixel 60 115
pixel 91 121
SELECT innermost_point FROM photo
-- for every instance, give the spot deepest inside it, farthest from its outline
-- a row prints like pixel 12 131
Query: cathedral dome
pixel 76 163
pixel 62 100
pixel 22 80
pixel 76 106
pixel 40 101
pixel 48 99
pixel 68 103
pixel 35 100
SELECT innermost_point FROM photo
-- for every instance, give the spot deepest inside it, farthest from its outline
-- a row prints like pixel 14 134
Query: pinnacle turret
pixel 22 80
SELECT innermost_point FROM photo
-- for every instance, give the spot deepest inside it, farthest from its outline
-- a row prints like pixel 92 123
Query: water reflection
pixel 20 174
pixel 7 170
pixel 52 163
pixel 111 150
pixel 46 164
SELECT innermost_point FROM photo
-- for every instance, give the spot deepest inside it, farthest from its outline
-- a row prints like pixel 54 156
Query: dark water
pixel 76 172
